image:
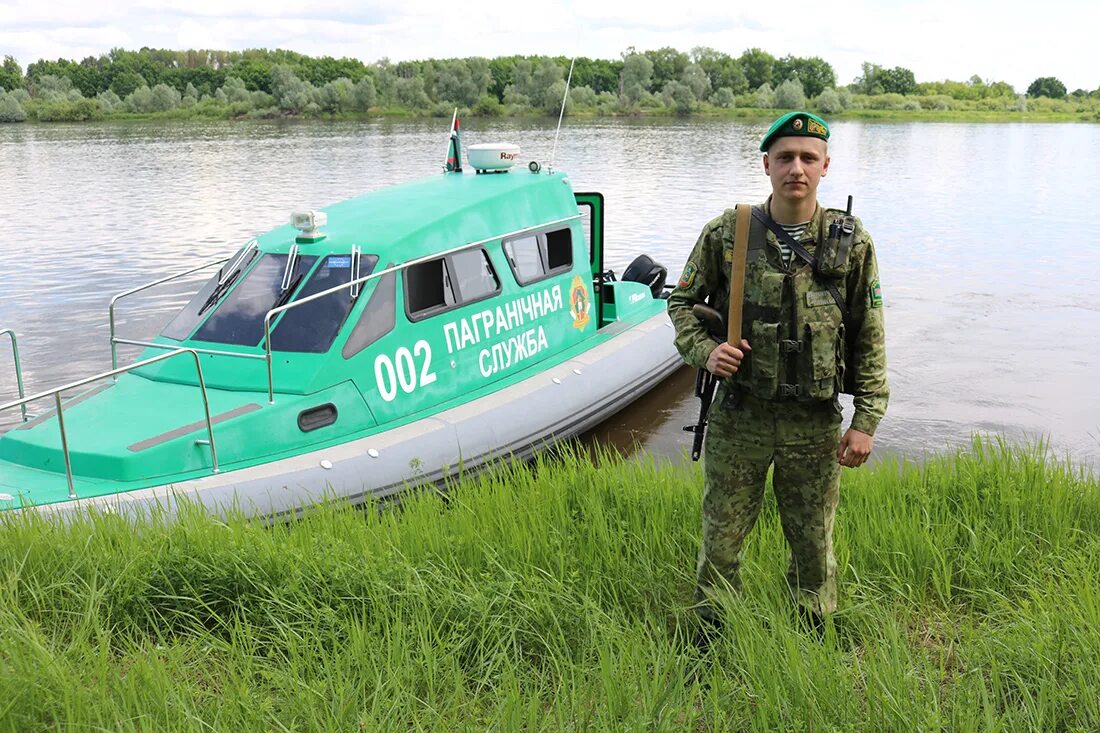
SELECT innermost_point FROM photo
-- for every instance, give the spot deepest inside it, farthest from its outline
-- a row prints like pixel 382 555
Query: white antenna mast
pixel 561 113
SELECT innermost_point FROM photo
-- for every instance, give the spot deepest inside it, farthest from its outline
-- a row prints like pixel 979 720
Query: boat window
pixel 312 327
pixel 525 256
pixel 428 287
pixel 180 327
pixel 239 318
pixel 559 250
pixel 474 274
pixel 378 318
pixel 455 279
pixel 537 256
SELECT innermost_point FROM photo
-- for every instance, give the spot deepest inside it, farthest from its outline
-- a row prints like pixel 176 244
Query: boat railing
pixel 132 291
pixel 59 407
pixel 18 370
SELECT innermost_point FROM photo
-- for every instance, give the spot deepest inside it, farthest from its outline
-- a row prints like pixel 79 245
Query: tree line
pixel 271 83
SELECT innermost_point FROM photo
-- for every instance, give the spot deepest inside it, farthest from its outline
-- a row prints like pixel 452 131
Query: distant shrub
pixel 789 95
pixel 11 110
pixel 366 96
pixel 828 102
pixel 582 96
pixel 765 97
pixel 886 101
pixel 236 91
pixel 109 101
pixel 723 97
pixel 911 104
pixel 679 97
pixel 65 111
pixel 266 113
pixel 488 106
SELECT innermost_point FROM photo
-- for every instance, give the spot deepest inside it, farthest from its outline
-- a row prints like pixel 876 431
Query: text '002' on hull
pixel 377 344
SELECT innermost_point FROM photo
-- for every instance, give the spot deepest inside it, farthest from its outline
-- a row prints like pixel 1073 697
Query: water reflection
pixel 988 259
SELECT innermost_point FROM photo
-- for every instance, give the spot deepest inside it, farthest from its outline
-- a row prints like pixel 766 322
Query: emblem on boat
pixel 579 304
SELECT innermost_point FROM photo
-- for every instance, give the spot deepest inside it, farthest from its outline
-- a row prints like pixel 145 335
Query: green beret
pixel 797 124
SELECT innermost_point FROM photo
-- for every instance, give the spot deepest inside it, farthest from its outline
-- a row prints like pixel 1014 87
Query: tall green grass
pixel 556 597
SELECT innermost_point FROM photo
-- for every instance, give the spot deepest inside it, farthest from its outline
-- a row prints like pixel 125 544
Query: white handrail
pixel 18 370
pixel 56 394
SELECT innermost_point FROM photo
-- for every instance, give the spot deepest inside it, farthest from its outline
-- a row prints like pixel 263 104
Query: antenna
pixel 561 113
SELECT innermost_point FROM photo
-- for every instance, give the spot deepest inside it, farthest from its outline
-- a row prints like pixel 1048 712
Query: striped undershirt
pixel 796 231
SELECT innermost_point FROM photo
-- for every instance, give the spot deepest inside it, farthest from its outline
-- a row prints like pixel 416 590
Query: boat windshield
pixel 313 326
pixel 236 316
pixel 239 318
pixel 208 296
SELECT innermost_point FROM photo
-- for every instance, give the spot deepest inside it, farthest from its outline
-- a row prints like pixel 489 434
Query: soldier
pixel 810 330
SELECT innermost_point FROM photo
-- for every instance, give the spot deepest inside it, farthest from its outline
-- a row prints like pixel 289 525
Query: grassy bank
pixel 550 599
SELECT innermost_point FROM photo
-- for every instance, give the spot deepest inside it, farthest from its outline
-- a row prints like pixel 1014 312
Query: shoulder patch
pixel 686 280
pixel 875 294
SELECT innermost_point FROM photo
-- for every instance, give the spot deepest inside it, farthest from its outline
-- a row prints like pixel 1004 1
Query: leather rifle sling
pixel 737 274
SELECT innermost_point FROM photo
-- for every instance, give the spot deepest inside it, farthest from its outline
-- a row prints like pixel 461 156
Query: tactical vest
pixel 790 319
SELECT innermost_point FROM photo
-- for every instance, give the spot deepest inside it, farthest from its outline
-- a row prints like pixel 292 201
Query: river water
pixel 989 259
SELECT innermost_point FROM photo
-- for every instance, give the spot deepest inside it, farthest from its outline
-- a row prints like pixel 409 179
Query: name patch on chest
pixel 816 298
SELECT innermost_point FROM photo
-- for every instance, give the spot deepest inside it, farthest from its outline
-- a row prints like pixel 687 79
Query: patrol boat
pixel 386 341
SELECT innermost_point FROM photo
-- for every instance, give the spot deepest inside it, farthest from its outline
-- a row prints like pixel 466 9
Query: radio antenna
pixel 561 113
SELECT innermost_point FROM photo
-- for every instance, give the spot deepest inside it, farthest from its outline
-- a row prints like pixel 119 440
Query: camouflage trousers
pixel 800 439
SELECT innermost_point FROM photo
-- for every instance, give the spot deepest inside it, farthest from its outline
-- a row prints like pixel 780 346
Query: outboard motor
pixel 644 270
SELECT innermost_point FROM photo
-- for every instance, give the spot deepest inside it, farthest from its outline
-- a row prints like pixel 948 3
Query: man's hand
pixel 725 360
pixel 854 448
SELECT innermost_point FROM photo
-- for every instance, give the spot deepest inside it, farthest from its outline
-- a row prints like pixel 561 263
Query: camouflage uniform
pixel 781 406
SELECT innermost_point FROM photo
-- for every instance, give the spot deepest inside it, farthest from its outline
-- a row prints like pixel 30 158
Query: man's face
pixel 796 165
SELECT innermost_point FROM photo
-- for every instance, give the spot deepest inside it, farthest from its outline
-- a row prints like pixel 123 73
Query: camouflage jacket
pixel 793 325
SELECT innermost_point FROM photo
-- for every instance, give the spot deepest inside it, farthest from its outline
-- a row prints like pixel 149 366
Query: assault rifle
pixel 705 382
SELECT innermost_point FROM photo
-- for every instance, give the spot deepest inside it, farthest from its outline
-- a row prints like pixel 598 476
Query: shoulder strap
pixel 737 274
pixel 798 249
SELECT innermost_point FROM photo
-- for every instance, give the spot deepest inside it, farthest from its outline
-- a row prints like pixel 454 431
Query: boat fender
pixel 644 270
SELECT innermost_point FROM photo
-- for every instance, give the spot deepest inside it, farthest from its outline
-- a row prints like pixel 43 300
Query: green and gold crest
pixel 689 275
pixel 875 294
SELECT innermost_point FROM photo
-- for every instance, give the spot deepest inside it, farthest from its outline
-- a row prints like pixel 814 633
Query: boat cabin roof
pixel 418 219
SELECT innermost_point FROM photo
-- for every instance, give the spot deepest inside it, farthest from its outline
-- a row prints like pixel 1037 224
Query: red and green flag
pixel 454 152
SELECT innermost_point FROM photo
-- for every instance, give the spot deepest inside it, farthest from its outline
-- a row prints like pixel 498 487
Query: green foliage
pixel 678 97
pixel 765 97
pixel 758 67
pixel 637 77
pixel 696 79
pixel 828 102
pixel 814 73
pixel 1047 86
pixel 227 84
pixel 723 97
pixel 365 95
pixel 66 110
pixel 10 109
pixel 583 96
pixel 11 74
pixel 789 95
pixel 668 65
pixel 109 101
pixel 897 80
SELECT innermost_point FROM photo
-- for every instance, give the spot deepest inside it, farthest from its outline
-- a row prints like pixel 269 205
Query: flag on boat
pixel 454 152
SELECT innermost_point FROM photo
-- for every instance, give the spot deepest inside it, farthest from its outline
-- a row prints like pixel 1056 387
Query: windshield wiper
pixel 288 293
pixel 227 282
pixel 219 291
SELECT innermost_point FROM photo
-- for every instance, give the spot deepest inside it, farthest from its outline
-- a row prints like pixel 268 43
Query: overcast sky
pixel 937 39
